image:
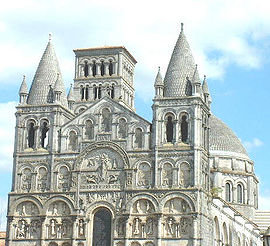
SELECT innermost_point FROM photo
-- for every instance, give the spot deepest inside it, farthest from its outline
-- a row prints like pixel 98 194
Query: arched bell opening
pixel 102 227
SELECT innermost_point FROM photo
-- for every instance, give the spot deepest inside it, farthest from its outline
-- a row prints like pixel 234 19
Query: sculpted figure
pixel 170 226
pixel 106 120
pixel 122 130
pixel 53 227
pixel 138 138
pixel 21 229
pixel 73 141
pixel 81 227
pixel 136 226
pixel 42 179
pixel 89 129
pixel 26 180
pixel 150 226
pixel 55 209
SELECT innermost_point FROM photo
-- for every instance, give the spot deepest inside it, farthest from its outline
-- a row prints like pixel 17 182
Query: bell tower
pixel 104 71
pixel 181 111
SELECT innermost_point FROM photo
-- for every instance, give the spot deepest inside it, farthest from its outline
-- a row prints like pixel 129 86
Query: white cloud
pixel 220 33
pixel 7 129
pixel 255 143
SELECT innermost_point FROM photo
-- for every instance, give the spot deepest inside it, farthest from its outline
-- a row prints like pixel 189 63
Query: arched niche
pixel 103 163
pixel 102 224
pixel 27 208
pixel 143 206
pixel 177 206
pixel 58 208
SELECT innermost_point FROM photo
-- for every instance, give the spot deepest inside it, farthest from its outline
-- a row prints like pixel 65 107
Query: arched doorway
pixel 102 228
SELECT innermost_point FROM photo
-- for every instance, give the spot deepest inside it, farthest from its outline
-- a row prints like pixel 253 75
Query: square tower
pixel 104 71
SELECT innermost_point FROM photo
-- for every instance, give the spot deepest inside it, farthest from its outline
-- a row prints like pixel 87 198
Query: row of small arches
pixel 170 129
pixel 224 236
pixel 94 68
pixel 97 91
pixel 229 193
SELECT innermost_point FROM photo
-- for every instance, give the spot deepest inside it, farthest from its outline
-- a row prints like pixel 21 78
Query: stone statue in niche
pixel 106 120
pixel 26 180
pixel 122 128
pixel 121 226
pixel 53 227
pixel 64 179
pixel 149 226
pixel 65 228
pixel 138 138
pixel 73 141
pixel 185 175
pixel 170 226
pixel 42 179
pixel 34 229
pixel 136 226
pixel 144 175
pixel 81 228
pixel 185 226
pixel 22 229
pixel 44 134
pixel 167 175
pixel 89 129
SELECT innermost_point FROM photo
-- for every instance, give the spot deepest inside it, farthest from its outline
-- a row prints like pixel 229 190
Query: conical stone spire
pixel 158 80
pixel 180 67
pixel 23 88
pixel 46 75
pixel 205 86
pixel 71 97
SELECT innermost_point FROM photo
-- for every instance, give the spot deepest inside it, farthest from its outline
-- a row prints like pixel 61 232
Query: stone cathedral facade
pixel 89 171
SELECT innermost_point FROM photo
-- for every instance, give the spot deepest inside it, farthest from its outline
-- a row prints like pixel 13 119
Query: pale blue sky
pixel 230 41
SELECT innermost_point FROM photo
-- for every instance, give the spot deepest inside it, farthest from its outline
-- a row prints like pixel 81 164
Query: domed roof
pixel 222 138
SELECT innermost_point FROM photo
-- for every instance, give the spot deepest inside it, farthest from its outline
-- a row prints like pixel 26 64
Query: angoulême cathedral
pixel 89 171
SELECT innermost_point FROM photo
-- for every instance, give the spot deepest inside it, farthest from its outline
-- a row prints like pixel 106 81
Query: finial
pixel 204 77
pixel 50 37
pixel 159 68
pixel 182 27
pixel 23 77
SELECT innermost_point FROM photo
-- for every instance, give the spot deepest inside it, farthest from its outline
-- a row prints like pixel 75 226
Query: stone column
pixel 97 69
pixel 106 70
pixel 74 230
pixel 43 231
pixel 159 229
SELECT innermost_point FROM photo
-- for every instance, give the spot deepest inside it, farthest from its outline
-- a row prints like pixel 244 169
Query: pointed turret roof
pixel 23 88
pixel 180 67
pixel 71 97
pixel 158 80
pixel 46 75
pixel 205 86
pixel 57 85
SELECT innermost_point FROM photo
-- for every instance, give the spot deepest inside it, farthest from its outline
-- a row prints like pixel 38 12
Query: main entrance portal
pixel 102 228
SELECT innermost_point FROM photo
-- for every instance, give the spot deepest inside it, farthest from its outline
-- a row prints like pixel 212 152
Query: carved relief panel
pixel 42 179
pixel 143 223
pixel 144 175
pixel 63 179
pixel 177 221
pixel 26 180
pixel 26 223
pixel 104 168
